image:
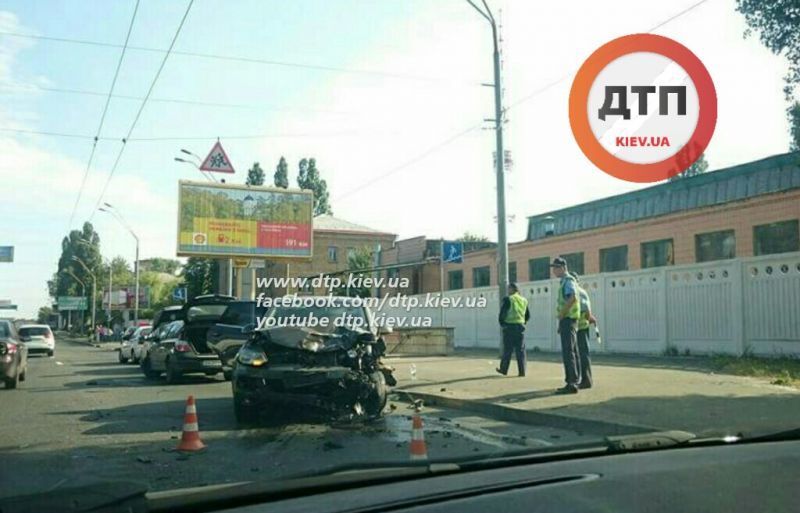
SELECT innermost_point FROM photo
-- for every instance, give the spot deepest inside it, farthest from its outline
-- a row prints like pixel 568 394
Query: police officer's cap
pixel 558 262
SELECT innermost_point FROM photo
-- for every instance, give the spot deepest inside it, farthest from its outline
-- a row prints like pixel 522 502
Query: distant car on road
pixel 131 348
pixel 13 356
pixel 183 348
pixel 232 331
pixel 38 338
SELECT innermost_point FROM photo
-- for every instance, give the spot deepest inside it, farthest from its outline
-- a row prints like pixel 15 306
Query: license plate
pixel 211 363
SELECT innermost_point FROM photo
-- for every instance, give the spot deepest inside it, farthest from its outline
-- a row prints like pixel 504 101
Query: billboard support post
pixel 230 276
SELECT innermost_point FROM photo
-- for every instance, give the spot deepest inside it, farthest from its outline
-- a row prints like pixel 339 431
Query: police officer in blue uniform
pixel 514 314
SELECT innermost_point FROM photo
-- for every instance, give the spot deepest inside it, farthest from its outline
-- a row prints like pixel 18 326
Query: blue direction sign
pixel 6 253
pixel 453 251
pixel 179 294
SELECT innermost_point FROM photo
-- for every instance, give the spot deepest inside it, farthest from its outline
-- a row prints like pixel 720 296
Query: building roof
pixel 334 224
pixel 778 173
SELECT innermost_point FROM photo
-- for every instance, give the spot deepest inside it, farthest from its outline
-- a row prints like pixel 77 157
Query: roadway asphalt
pixel 81 417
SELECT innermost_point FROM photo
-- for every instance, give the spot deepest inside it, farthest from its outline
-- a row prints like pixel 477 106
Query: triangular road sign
pixel 217 161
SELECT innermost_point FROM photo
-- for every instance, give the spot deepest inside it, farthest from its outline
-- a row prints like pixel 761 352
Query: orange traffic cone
pixel 190 440
pixel 418 449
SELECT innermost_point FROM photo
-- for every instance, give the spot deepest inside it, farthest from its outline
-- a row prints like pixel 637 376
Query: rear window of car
pixel 238 314
pixel 34 331
pixel 205 312
pixel 5 329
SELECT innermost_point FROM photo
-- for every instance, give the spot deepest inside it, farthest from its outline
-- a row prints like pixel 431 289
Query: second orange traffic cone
pixel 190 439
pixel 418 449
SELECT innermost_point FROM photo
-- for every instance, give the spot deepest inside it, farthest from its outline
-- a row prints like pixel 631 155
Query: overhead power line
pixel 523 99
pixel 249 60
pixel 141 108
pixel 103 116
pixel 250 106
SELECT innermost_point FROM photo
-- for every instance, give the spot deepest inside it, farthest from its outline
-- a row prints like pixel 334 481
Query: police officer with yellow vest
pixel 584 322
pixel 568 310
pixel 513 316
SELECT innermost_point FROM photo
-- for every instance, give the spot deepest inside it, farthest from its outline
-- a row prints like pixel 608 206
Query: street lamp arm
pixel 489 19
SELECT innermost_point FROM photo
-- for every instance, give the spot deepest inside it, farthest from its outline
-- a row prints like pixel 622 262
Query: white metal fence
pixel 730 306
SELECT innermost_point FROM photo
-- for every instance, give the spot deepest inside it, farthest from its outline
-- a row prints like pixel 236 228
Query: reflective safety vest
pixel 575 310
pixel 586 307
pixel 516 309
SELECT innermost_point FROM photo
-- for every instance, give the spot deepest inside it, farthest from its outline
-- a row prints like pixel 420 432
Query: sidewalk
pixel 631 394
pixel 84 340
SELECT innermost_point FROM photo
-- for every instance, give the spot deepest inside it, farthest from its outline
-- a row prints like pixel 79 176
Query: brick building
pixel 746 210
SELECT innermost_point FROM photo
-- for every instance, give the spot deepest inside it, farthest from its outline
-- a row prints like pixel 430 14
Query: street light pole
pixel 94 287
pixel 83 294
pixel 110 209
pixel 110 278
pixel 499 115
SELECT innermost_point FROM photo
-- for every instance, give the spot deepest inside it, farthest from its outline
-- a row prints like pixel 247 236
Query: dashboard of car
pixel 746 478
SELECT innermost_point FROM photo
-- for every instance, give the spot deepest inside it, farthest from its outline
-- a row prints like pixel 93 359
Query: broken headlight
pixel 311 345
pixel 252 357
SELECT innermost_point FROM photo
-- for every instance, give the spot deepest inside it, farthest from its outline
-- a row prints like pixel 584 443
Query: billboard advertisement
pixel 222 220
pixel 125 298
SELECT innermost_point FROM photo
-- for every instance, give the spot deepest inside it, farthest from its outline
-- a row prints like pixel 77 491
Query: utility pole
pixel 94 287
pixel 499 115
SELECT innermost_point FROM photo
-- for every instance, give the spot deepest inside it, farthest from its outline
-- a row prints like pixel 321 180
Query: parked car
pixel 233 329
pixel 128 333
pixel 130 349
pixel 38 338
pixel 13 355
pixel 155 334
pixel 183 348
pixel 334 368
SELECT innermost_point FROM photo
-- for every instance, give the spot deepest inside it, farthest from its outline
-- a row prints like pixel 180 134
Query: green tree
pixel 255 175
pixel 44 315
pixel 308 178
pixel 163 265
pixel 778 25
pixel 281 177
pixel 794 126
pixel 699 167
pixel 360 259
pixel 200 276
pixel 471 237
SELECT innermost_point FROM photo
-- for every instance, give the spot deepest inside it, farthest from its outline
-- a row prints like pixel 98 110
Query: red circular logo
pixel 643 108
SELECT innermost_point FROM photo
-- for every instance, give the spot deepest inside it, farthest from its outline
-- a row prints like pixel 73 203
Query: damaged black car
pixel 316 358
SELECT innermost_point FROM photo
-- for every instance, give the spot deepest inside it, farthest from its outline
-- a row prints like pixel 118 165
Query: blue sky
pixel 361 127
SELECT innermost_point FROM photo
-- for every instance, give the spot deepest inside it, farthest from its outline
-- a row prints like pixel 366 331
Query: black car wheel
pixel 147 369
pixel 51 352
pixel 173 374
pixel 376 398
pixel 24 374
pixel 227 374
pixel 122 359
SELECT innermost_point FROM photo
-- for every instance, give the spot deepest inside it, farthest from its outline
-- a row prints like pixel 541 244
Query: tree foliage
pixel 472 237
pixel 85 245
pixel 699 167
pixel 255 175
pixel 794 127
pixel 163 265
pixel 44 315
pixel 358 260
pixel 308 178
pixel 778 25
pixel 281 177
pixel 201 276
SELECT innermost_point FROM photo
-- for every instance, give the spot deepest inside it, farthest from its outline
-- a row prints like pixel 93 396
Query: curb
pixel 533 418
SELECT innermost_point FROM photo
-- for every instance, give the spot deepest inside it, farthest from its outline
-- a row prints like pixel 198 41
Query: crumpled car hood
pixel 293 337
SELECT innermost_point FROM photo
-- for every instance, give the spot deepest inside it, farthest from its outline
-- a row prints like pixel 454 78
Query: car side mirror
pixel 385 330
pixel 248 329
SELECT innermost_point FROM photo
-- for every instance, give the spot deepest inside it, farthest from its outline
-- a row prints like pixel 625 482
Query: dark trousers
pixel 513 341
pixel 567 328
pixel 584 362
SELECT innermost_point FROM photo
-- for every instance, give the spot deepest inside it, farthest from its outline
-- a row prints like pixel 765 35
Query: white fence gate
pixel 729 306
